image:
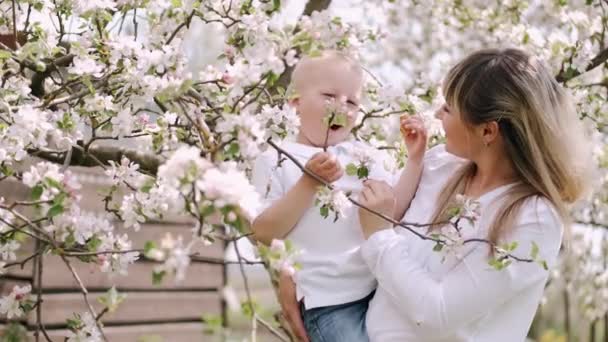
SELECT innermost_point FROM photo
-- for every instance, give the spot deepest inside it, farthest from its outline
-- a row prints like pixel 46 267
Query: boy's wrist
pixel 416 158
pixel 309 181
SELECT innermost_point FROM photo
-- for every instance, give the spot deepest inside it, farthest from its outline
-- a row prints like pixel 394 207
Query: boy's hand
pixel 414 135
pixel 326 166
pixel 380 197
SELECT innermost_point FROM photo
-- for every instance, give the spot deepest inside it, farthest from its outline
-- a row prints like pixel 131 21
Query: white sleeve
pixel 435 158
pixel 472 287
pixel 265 178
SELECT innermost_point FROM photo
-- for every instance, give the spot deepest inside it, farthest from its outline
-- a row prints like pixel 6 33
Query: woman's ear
pixel 489 132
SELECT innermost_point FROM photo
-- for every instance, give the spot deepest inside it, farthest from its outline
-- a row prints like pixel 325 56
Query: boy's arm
pixel 276 221
pixel 279 219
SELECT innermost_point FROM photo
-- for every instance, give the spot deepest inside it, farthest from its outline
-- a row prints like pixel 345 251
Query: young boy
pixel 334 284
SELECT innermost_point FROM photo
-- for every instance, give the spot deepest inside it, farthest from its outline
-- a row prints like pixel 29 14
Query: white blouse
pixel 429 296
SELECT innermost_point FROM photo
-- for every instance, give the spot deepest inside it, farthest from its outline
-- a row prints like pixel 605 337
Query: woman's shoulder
pixel 438 159
pixel 539 211
pixel 539 226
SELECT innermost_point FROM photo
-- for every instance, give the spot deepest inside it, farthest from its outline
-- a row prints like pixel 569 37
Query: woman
pixel 514 144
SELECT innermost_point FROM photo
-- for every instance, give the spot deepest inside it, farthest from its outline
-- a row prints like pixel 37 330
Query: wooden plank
pixel 155 232
pixel 138 307
pixel 171 332
pixel 56 275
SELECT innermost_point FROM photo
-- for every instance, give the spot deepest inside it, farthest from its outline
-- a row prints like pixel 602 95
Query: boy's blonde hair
pixel 299 76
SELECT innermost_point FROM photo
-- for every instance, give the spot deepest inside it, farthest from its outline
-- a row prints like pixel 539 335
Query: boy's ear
pixel 294 101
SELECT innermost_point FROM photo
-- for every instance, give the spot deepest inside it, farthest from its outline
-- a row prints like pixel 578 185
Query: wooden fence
pixel 166 312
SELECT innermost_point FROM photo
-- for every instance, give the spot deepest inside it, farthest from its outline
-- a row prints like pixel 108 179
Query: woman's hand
pixel 414 135
pixel 378 196
pixel 291 307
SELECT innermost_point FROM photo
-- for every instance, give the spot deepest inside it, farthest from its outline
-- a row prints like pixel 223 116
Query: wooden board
pixel 172 332
pixel 138 307
pixel 56 275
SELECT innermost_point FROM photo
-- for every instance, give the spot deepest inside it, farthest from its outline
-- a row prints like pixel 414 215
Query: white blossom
pixel 87 332
pixel 10 305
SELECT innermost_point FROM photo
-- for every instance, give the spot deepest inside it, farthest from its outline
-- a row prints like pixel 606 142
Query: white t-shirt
pixel 333 271
pixel 421 298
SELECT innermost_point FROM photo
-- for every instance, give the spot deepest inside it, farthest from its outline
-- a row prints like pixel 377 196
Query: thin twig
pixel 85 293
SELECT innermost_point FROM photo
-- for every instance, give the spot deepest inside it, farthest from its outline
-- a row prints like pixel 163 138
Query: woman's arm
pixel 415 137
pixel 406 187
pixel 471 288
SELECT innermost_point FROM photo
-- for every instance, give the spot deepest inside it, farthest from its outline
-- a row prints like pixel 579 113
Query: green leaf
pixel 27 306
pixel 53 183
pixel 148 246
pixel 87 82
pixel 534 251
pixel 543 263
pixel 6 170
pixel 453 212
pixel 60 198
pixel 497 265
pixel 37 192
pixel 14 332
pixel 362 172
pixel 93 243
pixel 276 5
pixel 74 323
pixel 112 299
pixel 213 323
pixel 351 169
pixel 288 246
pixel 509 247
pixel 55 210
pixel 341 119
pixel 438 247
pixel 4 54
pixel 247 308
pixel 324 210
pixel 70 240
pixel 233 149
pixel 157 277
pixel 147 186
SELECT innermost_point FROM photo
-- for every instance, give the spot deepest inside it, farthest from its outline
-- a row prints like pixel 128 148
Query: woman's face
pixel 460 140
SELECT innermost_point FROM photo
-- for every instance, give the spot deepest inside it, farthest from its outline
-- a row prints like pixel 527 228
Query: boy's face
pixel 332 84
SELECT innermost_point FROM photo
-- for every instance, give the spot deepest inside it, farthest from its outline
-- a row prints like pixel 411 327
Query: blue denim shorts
pixel 337 323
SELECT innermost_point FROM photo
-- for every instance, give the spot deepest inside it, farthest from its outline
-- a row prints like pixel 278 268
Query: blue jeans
pixel 337 323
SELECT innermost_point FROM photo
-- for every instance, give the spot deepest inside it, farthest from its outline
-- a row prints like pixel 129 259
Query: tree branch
pixel 598 60
pixel 316 5
pixel 147 162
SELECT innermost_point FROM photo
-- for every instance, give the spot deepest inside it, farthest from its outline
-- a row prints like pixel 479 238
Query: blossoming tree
pixel 186 141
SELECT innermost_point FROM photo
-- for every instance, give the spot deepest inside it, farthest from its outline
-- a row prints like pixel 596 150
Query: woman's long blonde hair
pixel 537 121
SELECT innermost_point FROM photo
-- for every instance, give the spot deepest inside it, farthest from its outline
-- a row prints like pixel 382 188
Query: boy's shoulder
pixel 272 158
